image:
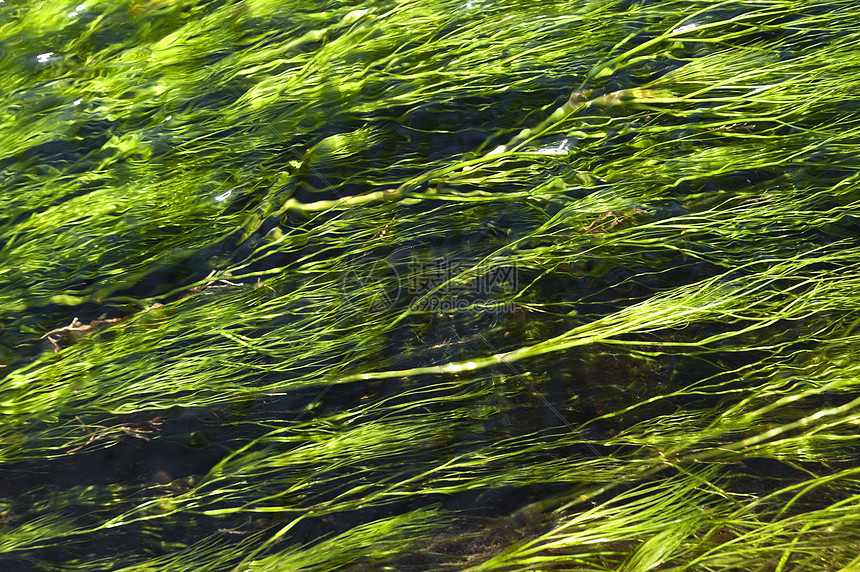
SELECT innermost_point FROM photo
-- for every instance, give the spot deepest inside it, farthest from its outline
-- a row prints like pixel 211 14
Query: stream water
pixel 287 286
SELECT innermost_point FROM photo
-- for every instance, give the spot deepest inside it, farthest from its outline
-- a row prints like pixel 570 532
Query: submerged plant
pixel 494 285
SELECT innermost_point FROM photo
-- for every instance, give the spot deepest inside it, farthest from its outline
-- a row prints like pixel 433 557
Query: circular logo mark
pixel 371 284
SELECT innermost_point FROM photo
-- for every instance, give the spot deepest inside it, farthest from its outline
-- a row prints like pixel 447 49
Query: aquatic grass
pixel 239 205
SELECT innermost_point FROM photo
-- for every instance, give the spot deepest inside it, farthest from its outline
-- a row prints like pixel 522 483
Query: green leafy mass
pixel 413 285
